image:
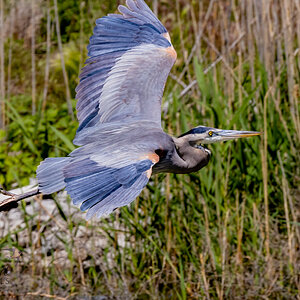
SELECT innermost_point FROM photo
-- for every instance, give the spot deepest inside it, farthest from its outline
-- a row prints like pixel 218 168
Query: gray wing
pixel 119 112
pixel 101 188
pixel 130 58
pixel 112 169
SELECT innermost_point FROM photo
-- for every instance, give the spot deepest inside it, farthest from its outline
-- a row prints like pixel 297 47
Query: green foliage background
pixel 228 231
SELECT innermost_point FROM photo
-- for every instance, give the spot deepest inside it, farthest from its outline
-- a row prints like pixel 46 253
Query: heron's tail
pixel 50 174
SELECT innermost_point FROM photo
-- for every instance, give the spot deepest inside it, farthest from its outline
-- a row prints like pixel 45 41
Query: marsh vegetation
pixel 230 231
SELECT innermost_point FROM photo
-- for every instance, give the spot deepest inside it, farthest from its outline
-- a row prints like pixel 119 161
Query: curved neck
pixel 181 158
pixel 194 158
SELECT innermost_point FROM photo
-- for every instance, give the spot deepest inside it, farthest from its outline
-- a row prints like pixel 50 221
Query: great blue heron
pixel 119 111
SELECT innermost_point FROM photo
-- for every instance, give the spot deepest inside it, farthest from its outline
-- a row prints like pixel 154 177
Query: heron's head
pixel 208 135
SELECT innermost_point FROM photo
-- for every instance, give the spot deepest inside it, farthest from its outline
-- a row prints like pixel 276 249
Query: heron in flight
pixel 119 112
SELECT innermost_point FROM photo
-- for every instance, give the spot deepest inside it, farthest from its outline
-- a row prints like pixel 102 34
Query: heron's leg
pixel 6 193
pixel 11 202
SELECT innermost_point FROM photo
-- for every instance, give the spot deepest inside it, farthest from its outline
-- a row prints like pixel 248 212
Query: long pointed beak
pixel 208 135
pixel 226 135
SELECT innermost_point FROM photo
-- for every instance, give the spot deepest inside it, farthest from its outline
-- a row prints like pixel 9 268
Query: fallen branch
pixel 12 202
pixel 215 62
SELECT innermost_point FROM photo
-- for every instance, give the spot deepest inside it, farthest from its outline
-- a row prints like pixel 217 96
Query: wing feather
pixel 122 196
pixel 110 169
pixel 90 183
pixel 127 52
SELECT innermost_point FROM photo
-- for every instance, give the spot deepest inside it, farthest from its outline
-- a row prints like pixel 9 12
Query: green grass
pixel 230 231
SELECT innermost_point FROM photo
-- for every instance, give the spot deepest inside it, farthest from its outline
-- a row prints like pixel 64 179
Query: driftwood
pixel 12 202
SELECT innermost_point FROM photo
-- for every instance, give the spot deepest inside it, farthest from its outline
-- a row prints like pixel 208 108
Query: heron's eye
pixel 210 133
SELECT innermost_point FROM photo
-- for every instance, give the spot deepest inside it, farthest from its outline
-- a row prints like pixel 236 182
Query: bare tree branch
pixel 212 65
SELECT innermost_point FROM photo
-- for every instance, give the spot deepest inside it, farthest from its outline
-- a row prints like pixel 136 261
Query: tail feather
pixel 50 174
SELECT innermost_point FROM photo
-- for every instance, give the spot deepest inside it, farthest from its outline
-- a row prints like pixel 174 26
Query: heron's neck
pixel 194 157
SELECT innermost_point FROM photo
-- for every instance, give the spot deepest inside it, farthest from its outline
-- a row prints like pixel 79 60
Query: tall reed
pixel 230 231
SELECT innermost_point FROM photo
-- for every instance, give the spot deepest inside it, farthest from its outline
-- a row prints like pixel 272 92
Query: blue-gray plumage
pixel 119 111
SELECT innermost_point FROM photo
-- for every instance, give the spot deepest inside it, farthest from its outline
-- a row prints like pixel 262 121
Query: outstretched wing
pixel 130 58
pixel 119 112
pixel 112 171
pixel 101 188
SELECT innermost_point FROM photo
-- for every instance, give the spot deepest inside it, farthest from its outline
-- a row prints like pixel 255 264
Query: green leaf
pixel 63 137
pixel 2 134
pixel 204 88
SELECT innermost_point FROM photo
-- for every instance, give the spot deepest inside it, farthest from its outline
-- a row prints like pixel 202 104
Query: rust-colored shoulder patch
pixel 171 52
pixel 149 172
pixel 152 156
pixel 167 36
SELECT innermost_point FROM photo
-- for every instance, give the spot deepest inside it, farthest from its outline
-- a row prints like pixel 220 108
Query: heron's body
pixel 121 142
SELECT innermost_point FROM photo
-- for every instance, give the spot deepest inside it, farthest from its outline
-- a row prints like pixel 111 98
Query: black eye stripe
pixel 196 130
